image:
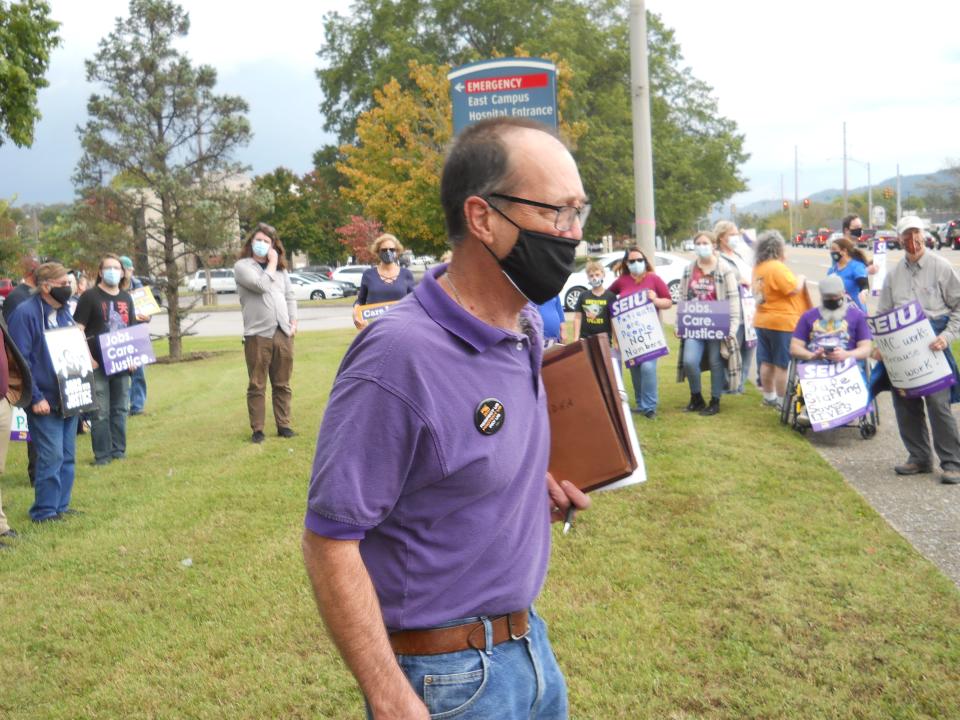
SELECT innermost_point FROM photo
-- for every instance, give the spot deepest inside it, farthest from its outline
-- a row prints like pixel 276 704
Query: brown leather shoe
pixel 912 469
pixel 950 477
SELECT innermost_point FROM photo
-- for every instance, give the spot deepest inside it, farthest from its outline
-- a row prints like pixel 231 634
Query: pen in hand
pixel 568 519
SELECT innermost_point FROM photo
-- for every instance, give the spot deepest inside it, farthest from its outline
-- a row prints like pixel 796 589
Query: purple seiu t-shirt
pixel 812 328
pixel 452 522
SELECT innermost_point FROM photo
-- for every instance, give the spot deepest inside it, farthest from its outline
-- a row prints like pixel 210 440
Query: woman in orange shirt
pixel 781 299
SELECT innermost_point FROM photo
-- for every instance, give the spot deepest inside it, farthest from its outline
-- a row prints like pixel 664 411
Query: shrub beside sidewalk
pixel 744 580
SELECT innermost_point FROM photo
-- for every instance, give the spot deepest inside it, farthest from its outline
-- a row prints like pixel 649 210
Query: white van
pixel 221 279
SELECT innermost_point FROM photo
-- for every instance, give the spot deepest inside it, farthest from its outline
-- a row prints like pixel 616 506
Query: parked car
pixel 347 288
pixel 304 289
pixel 820 239
pixel 669 268
pixel 952 234
pixel 866 238
pixel 350 273
pixel 221 279
pixel 687 245
pixel 6 287
pixel 893 240
pixel 325 270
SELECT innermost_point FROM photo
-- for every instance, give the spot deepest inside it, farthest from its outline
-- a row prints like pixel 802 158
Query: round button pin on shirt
pixel 489 416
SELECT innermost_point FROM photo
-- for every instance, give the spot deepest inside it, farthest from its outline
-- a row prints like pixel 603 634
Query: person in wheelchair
pixel 834 331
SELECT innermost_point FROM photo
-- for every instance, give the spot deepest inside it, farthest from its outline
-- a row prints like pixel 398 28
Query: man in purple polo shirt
pixel 426 553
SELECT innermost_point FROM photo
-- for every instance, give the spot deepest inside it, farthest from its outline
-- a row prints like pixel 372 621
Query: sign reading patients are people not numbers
pixel 505 87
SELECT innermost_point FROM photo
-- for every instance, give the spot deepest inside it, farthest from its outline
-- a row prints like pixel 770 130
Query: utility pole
pixel 646 225
pixel 899 207
pixel 844 168
pixel 796 189
pixel 869 198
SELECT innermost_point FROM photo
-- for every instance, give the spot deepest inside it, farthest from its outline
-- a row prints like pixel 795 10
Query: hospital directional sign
pixel 505 87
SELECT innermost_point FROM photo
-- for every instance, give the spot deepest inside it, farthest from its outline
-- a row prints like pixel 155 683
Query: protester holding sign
pixel 781 299
pixel 638 274
pixel 933 282
pixel 834 331
pixel 138 380
pixel 732 248
pixel 386 281
pixel 104 308
pixel 54 435
pixel 706 281
pixel 269 325
pixel 593 307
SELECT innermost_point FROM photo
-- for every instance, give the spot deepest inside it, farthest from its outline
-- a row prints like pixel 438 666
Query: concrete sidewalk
pixel 919 507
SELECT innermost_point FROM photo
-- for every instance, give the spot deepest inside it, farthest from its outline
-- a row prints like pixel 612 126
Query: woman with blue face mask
pixel 637 275
pixel 105 308
pixel 385 282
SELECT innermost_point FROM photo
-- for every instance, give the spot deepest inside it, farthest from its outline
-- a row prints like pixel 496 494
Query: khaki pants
pixel 4 444
pixel 271 357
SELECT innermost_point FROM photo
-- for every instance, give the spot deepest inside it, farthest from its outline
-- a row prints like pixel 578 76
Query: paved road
pixel 229 323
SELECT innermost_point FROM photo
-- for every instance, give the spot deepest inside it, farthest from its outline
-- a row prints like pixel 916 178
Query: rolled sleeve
pixel 369 439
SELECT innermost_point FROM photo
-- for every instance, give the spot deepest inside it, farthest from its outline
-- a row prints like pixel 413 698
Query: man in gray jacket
pixel 269 324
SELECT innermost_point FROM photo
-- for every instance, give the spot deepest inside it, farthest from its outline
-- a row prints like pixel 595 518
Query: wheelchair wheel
pixel 867 430
pixel 788 410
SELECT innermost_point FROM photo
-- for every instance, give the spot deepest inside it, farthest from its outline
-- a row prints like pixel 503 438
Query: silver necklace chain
pixel 454 288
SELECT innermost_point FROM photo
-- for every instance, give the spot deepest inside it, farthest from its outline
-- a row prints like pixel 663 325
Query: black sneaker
pixel 257 437
pixel 285 432
pixel 713 408
pixel 696 403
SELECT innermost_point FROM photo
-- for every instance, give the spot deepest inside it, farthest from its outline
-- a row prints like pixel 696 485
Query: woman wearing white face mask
pixel 105 308
pixel 637 275
pixel 708 280
pixel 735 252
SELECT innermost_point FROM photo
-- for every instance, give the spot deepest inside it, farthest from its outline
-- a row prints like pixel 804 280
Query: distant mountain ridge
pixel 909 185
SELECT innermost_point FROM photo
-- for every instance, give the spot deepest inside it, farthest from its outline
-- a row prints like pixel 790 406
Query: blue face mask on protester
pixel 112 276
pixel 260 248
pixel 636 266
pixel 704 251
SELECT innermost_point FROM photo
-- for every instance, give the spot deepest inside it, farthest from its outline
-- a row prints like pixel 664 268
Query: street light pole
pixel 645 221
pixel 869 198
pixel 844 168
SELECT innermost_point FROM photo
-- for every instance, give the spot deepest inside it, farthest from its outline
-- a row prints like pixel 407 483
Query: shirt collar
pixel 918 265
pixel 453 318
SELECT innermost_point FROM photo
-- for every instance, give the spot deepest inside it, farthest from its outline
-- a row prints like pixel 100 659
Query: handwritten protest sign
pixel 638 329
pixel 834 393
pixel 375 310
pixel 703 319
pixel 880 263
pixel 18 424
pixel 74 368
pixel 903 337
pixel 126 349
pixel 144 301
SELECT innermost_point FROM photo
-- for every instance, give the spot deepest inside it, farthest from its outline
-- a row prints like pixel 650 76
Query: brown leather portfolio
pixel 590 445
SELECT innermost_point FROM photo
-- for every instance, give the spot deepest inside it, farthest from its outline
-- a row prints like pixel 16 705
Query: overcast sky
pixel 788 73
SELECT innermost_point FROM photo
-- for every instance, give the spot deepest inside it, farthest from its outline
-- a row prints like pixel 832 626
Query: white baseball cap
pixel 909 222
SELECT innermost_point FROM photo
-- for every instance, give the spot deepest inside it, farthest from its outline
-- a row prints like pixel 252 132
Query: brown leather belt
pixel 436 641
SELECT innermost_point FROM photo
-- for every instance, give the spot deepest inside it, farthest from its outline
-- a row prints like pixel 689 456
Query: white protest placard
pixel 834 393
pixel 749 304
pixel 903 337
pixel 18 424
pixel 637 325
pixel 880 263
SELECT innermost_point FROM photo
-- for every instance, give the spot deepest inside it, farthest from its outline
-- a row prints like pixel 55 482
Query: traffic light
pixel 786 205
pixel 806 203
pixel 887 193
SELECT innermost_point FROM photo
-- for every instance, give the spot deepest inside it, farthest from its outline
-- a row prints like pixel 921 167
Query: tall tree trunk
pixel 175 342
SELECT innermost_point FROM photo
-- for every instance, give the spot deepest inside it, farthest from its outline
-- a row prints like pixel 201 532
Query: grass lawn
pixel 744 580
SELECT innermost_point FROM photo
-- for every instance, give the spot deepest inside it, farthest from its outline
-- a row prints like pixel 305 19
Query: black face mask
pixel 856 232
pixel 61 294
pixel 539 264
pixel 832 303
pixel 835 256
pixel 388 256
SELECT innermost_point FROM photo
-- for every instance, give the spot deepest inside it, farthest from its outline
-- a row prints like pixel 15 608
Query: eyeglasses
pixel 566 214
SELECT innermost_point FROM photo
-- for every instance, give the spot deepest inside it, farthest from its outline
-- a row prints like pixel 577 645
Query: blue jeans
pixel 108 431
pixel 515 680
pixel 138 391
pixel 692 355
pixel 644 377
pixel 55 439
